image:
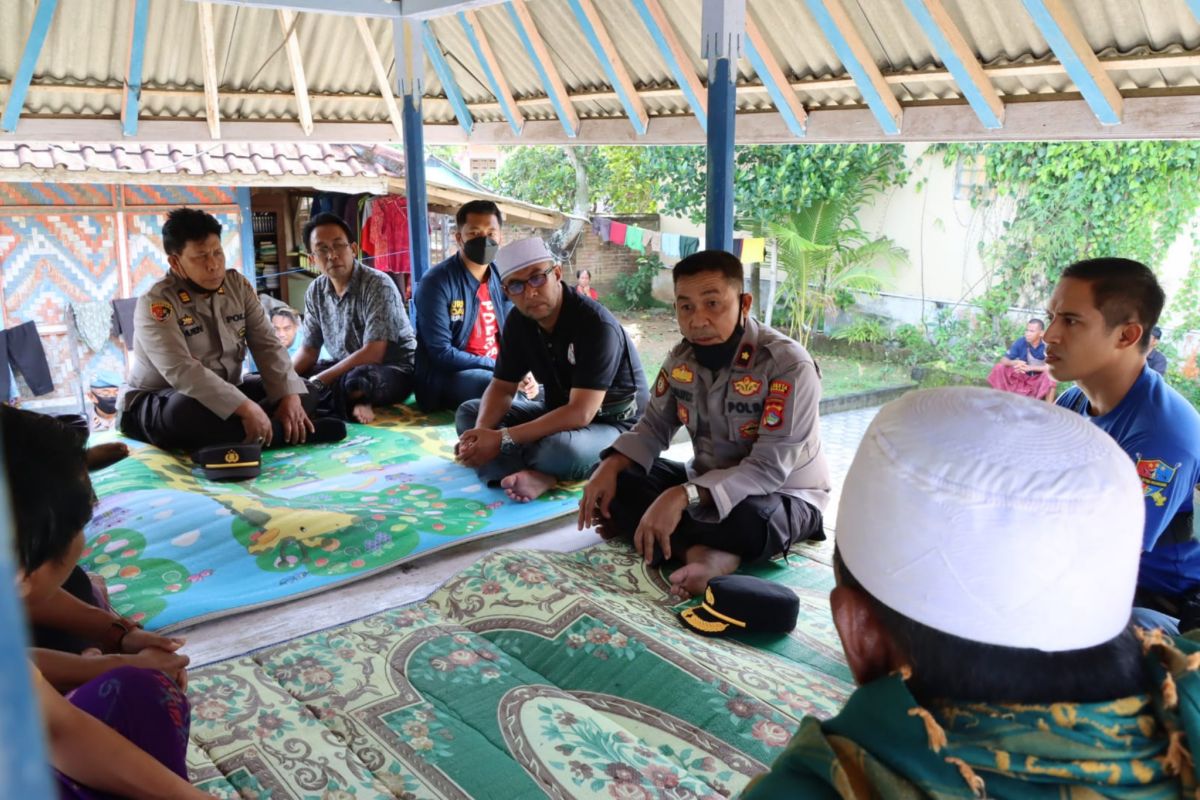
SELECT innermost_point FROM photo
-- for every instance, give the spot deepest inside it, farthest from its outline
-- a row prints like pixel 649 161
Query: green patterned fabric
pixel 884 745
pixel 531 674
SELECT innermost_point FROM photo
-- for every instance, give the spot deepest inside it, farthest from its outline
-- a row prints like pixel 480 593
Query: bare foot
pixel 363 413
pixel 703 564
pixel 528 484
pixel 103 455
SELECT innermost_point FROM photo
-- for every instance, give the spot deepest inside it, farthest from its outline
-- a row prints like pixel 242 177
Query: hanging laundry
pixel 389 234
pixel 670 245
pixel 688 245
pixel 653 242
pixel 618 231
pixel 93 323
pixel 754 251
pixel 634 238
pixel 123 309
pixel 21 348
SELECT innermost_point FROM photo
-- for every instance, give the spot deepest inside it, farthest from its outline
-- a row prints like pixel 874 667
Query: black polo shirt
pixel 588 349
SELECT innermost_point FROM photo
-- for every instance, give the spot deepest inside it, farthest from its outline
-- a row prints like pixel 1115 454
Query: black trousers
pixel 374 384
pixel 21 348
pixel 172 420
pixel 759 528
pixel 79 586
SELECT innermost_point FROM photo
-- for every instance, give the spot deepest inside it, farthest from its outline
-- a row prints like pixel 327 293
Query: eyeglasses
pixel 323 253
pixel 537 282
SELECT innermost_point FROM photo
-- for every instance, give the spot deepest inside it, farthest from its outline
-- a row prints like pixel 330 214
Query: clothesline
pixel 751 250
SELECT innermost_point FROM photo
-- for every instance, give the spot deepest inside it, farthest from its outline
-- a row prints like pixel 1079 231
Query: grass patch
pixel 842 376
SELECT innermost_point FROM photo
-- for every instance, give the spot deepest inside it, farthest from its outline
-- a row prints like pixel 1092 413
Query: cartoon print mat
pixel 528 675
pixel 177 549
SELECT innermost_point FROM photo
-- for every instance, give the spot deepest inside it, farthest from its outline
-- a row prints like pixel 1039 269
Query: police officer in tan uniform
pixel 192 330
pixel 748 397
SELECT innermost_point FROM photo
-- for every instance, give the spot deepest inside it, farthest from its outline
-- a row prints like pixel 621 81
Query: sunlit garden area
pixel 894 264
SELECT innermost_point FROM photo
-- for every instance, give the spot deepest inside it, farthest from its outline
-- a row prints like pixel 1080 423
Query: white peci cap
pixel 995 518
pixel 521 254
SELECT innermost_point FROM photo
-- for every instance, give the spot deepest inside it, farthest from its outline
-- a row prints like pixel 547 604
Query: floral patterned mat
pixel 177 549
pixel 531 674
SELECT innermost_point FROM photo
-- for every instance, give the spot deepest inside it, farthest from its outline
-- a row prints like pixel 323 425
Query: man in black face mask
pixel 461 309
pixel 748 396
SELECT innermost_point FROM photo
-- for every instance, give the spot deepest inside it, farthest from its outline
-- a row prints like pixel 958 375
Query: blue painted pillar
pixel 24 770
pixel 724 23
pixel 410 72
pixel 248 254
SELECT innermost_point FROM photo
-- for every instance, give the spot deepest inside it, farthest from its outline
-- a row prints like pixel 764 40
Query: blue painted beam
pixel 446 78
pixel 606 54
pixel 855 57
pixel 668 48
pixel 133 81
pixel 547 73
pixel 968 75
pixel 722 107
pixel 247 212
pixel 33 48
pixel 782 103
pixel 491 71
pixel 1077 59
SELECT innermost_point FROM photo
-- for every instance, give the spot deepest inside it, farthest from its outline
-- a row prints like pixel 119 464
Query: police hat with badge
pixel 742 603
pixel 230 462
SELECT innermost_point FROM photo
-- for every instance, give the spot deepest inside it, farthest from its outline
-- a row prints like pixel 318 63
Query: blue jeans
pixel 567 455
pixel 1150 619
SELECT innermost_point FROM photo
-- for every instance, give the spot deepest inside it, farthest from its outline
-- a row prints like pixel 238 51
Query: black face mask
pixel 718 356
pixel 480 250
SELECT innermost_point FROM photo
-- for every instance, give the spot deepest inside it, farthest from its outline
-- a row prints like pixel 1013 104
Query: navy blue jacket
pixel 446 311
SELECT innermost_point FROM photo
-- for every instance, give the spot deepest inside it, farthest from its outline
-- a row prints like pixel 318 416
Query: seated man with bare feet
pixel 748 396
pixel 575 348
pixel 357 313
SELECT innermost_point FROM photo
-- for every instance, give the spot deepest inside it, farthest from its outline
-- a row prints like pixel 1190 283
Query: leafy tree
pixel 546 175
pixel 772 181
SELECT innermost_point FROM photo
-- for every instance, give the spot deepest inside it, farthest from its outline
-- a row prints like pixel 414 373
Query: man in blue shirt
pixel 1023 368
pixel 461 311
pixel 1102 314
pixel 1155 359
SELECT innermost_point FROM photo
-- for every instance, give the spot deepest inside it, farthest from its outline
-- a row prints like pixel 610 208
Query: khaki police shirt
pixel 754 425
pixel 195 343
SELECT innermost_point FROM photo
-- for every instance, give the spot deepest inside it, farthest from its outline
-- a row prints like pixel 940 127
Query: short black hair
pixel 185 225
pixel 325 218
pixel 949 667
pixel 48 485
pixel 1123 291
pixel 286 312
pixel 579 273
pixel 1156 332
pixel 1039 322
pixel 710 261
pixel 478 207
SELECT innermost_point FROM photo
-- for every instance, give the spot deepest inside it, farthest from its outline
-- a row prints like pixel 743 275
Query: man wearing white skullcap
pixel 987 554
pixel 594 385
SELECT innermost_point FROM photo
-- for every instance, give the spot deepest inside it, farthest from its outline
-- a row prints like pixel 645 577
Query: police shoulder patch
pixel 1156 476
pixel 661 384
pixel 773 410
pixel 160 311
pixel 780 388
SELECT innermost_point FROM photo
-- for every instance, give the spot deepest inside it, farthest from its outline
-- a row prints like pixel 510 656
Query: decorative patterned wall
pixel 60 244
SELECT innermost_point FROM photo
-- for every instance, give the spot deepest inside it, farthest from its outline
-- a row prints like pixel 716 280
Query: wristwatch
pixel 317 382
pixel 507 445
pixel 693 494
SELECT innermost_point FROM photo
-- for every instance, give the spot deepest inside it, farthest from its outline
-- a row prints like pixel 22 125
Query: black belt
pixel 618 411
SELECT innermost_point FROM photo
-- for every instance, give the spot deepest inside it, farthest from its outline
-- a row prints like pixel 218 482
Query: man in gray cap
pixel 594 385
